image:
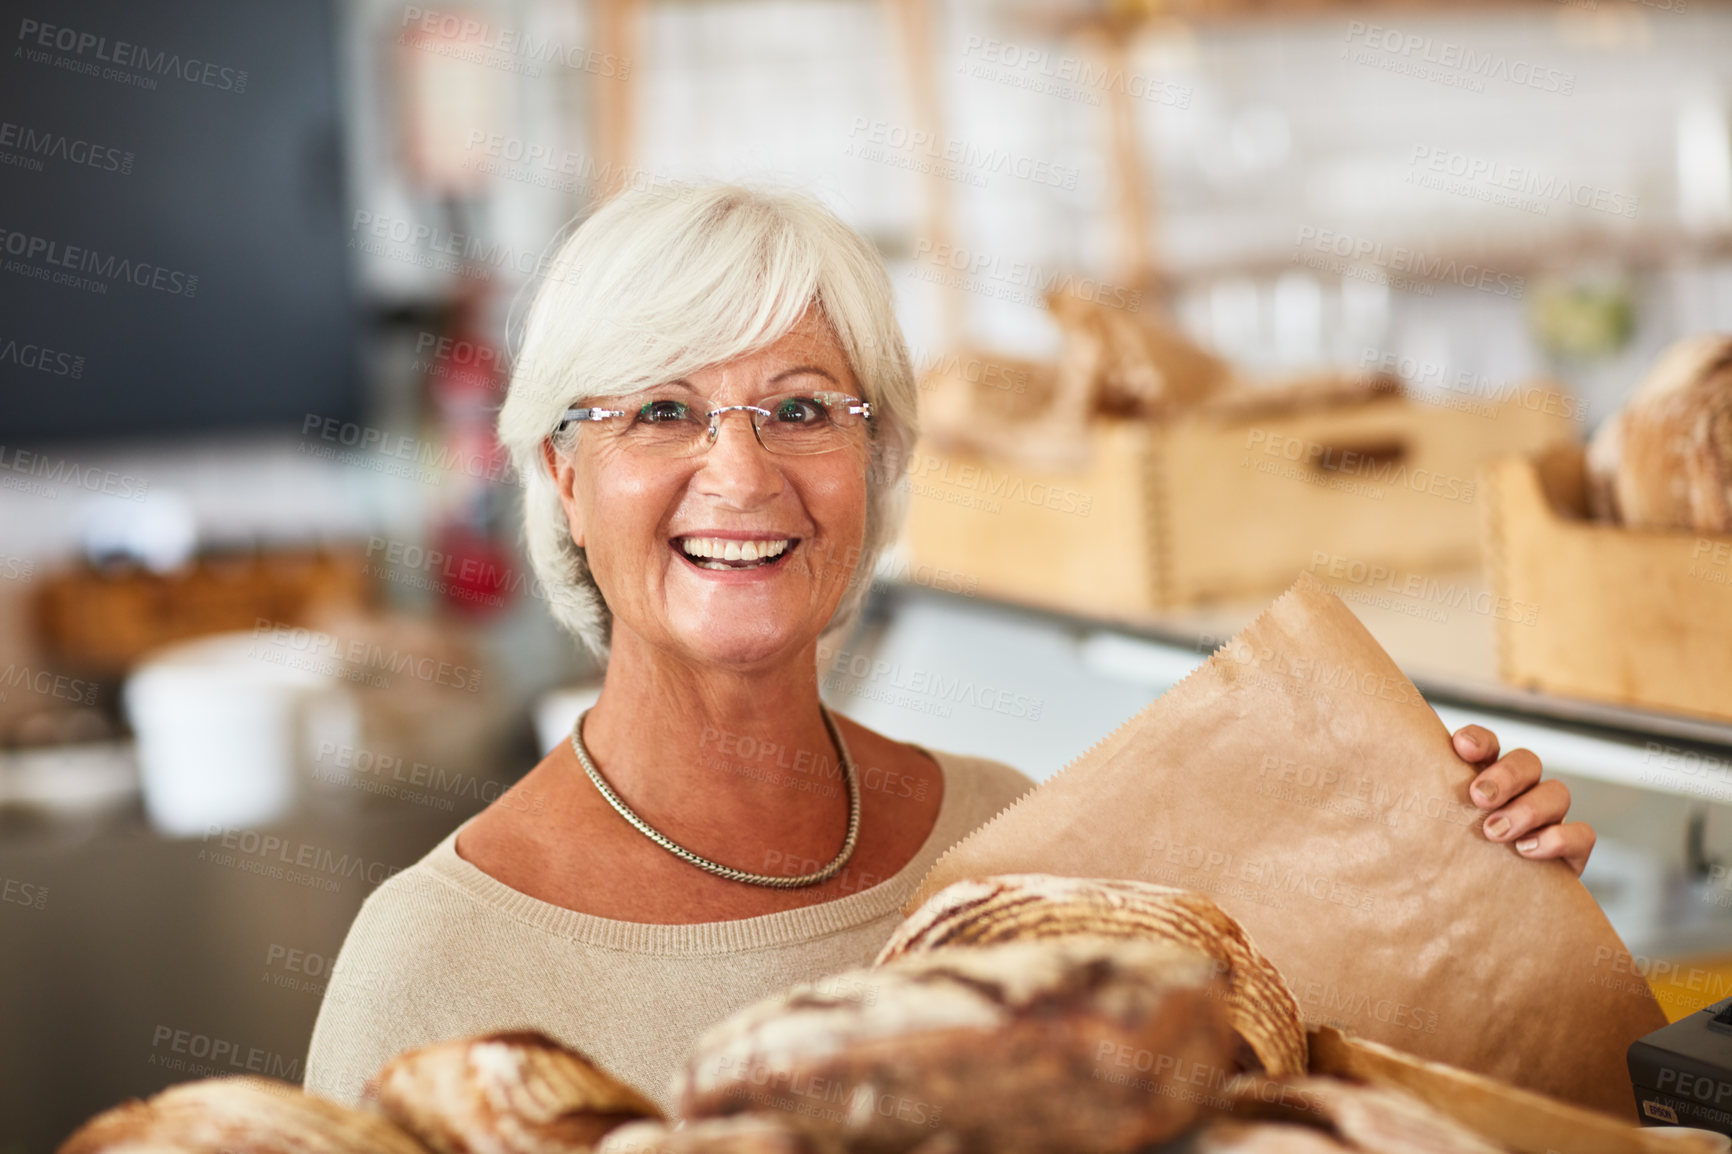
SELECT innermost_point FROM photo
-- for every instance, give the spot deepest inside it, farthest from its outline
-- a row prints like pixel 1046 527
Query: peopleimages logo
pixel 523 50
pixel 125 55
pixel 1433 58
pixel 1347 249
pixel 964 160
pixel 43 359
pixel 34 472
pixel 1497 182
pixel 1066 77
pixel 27 147
pixel 43 258
pixel 1028 282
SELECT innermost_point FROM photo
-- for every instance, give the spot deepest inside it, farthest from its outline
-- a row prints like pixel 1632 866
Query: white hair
pixel 658 284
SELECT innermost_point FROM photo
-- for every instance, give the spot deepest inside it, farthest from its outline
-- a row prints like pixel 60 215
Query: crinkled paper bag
pixel 1302 782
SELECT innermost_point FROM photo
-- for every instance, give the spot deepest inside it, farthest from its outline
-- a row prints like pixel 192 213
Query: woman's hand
pixel 1523 809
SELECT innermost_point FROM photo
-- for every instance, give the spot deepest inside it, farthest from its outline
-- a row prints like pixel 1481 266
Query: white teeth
pixel 718 550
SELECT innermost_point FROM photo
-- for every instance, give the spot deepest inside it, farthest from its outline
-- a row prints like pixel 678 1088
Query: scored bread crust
pixel 1015 1049
pixel 242 1115
pixel 1025 907
pixel 516 1091
pixel 741 1134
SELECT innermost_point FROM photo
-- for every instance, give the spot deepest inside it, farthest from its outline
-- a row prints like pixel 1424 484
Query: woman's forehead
pixel 809 352
pixel 806 375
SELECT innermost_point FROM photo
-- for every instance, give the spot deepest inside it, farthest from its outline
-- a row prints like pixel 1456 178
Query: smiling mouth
pixel 729 553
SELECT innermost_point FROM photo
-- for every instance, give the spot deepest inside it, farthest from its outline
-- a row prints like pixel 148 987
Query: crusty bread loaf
pixel 1084 1045
pixel 1265 1138
pixel 1369 1118
pixel 507 1093
pixel 1668 454
pixel 741 1134
pixel 1023 907
pixel 1600 461
pixel 237 1116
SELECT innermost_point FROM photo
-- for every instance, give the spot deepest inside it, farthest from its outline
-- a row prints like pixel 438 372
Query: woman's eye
pixel 658 412
pixel 801 411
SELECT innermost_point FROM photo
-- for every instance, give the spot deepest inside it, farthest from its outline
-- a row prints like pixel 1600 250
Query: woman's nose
pixel 736 467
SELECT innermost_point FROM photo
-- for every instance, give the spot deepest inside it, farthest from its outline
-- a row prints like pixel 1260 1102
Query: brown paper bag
pixel 1302 782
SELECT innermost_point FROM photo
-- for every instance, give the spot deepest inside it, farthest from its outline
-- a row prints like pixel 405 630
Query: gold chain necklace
pixel 717 868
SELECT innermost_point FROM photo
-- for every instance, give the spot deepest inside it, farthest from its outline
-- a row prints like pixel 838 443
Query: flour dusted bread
pixel 1025 907
pixel 1665 461
pixel 506 1093
pixel 1074 1045
pixel 742 1134
pixel 237 1116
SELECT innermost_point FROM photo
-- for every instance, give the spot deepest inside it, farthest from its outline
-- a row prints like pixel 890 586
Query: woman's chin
pixel 739 640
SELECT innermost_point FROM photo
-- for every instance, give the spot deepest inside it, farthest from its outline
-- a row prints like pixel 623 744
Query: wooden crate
pixel 1636 617
pixel 1198 508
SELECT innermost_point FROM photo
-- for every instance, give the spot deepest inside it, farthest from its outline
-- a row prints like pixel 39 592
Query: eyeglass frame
pixel 856 405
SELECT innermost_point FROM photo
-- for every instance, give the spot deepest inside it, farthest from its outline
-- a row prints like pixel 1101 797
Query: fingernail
pixel 1486 791
pixel 1528 844
pixel 1497 826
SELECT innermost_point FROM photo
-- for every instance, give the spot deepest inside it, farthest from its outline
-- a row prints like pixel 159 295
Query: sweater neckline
pixel 781 928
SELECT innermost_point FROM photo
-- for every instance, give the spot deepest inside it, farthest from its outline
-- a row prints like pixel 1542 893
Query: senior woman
pixel 711 410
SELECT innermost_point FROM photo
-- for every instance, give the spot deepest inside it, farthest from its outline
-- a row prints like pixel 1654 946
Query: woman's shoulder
pixel 400 923
pixel 417 918
pixel 417 954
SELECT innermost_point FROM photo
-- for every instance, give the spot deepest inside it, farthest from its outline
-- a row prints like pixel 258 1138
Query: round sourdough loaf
pixel 1665 461
pixel 741 1134
pixel 518 1092
pixel 1087 1045
pixel 1027 907
pixel 237 1116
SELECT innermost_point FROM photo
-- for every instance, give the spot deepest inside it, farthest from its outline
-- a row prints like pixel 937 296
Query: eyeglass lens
pixel 795 424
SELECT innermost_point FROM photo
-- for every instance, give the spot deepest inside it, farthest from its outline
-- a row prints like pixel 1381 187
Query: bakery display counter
pixel 1441 630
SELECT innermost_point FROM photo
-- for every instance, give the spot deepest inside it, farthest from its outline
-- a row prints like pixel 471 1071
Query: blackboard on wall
pixel 172 243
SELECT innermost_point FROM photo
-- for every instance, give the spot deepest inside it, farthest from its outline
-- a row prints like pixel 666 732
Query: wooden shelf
pixel 1118 18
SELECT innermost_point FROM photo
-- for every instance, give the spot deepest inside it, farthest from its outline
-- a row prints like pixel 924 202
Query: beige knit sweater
pixel 443 950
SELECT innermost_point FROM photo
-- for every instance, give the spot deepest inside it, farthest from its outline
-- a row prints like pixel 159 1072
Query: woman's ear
pixel 563 472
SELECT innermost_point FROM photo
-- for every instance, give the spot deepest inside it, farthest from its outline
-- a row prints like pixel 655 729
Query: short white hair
pixel 660 283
